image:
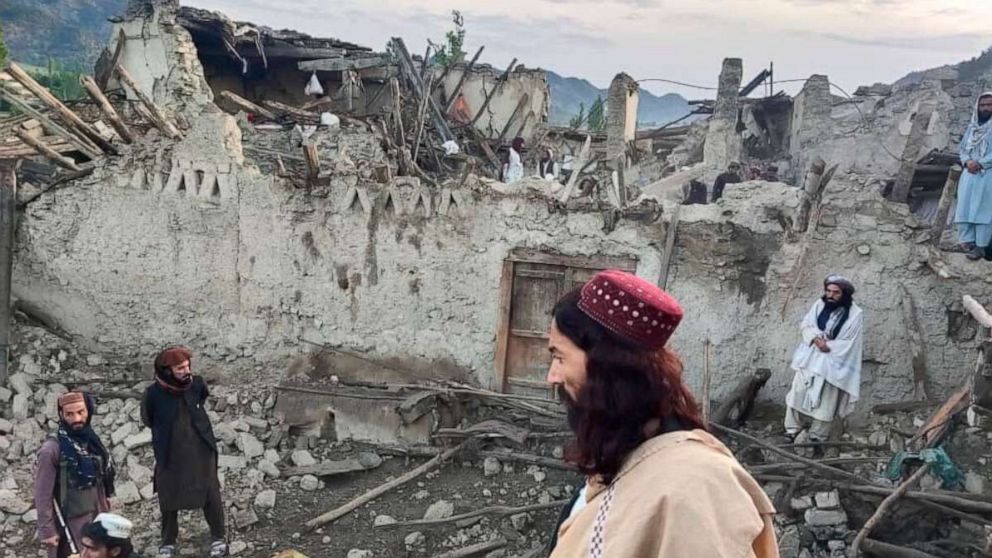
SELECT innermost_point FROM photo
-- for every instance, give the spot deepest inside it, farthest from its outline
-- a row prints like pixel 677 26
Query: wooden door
pixel 532 284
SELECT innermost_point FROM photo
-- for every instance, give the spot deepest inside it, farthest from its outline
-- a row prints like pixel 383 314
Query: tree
pixel 452 52
pixel 578 120
pixel 597 116
pixel 3 49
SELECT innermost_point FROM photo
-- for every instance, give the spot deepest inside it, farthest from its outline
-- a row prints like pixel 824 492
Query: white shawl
pixel 841 367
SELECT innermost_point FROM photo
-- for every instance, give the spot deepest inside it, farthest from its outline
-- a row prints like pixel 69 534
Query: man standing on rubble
pixel 974 210
pixel 658 484
pixel 732 176
pixel 513 169
pixel 73 478
pixel 827 363
pixel 185 449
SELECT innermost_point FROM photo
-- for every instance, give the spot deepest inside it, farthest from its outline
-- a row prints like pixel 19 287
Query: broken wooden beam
pixel 408 71
pixel 492 92
pixel 576 170
pixel 917 345
pixel 299 114
pixel 461 81
pixel 341 64
pixel 883 508
pixel 48 152
pixel 880 549
pixel 498 511
pixel 367 497
pixel 107 109
pixel 947 198
pixel 513 116
pixel 331 468
pixel 88 131
pixel 158 119
pixel 247 106
pixel 977 311
pixel 312 161
pixel 669 256
pixel 477 549
pixel 911 151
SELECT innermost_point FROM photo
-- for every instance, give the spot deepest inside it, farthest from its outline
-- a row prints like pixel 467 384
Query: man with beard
pixel 75 472
pixel 108 536
pixel 732 176
pixel 657 483
pixel 974 210
pixel 185 449
pixel 827 363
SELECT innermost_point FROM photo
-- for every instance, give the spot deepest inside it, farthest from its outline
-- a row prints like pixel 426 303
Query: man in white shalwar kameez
pixel 827 363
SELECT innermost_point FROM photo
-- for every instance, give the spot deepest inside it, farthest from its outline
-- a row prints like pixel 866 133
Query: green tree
pixel 597 116
pixel 3 49
pixel 452 51
pixel 578 120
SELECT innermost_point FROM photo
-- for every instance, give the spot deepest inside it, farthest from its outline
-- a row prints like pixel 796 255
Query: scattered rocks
pixel 250 446
pixel 138 440
pixel 974 483
pixel 828 500
pixel 309 483
pixel 491 466
pixel 442 509
pixel 383 519
pixel 11 503
pixel 127 493
pixel 302 458
pixel 266 499
pixel 825 518
pixel 357 553
pixel 237 547
pixel 244 518
pixel 233 462
pixel 415 541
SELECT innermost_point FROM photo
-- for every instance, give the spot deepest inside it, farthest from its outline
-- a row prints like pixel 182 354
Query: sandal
pixel 218 549
pixel 166 551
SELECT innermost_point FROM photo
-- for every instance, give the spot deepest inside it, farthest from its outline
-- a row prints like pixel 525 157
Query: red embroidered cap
pixel 631 307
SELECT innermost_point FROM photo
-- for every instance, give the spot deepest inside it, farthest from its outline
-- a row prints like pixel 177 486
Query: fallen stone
pixel 828 500
pixel 250 446
pixel 357 553
pixel 122 433
pixel 272 456
pixel 302 458
pixel 94 360
pixel 11 503
pixel 138 440
pixel 520 521
pixel 20 383
pixel 825 518
pixel 802 503
pixel 269 468
pixel 148 491
pixel 491 466
pixel 127 493
pixel 442 509
pixel 232 462
pixel 5 395
pixel 226 433
pixel 245 518
pixel 381 520
pixel 237 547
pixel 139 473
pixel 309 483
pixel 6 427
pixel 414 541
pixel 21 406
pixel 974 483
pixel 30 517
pixel 266 499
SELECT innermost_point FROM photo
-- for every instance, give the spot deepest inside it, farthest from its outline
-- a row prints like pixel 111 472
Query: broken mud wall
pixel 481 82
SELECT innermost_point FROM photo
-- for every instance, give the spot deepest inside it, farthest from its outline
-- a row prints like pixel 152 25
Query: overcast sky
pixel 855 42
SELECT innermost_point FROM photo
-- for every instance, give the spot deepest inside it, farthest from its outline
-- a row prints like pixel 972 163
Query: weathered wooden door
pixel 532 284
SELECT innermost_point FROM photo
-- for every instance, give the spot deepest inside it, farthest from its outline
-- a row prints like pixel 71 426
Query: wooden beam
pixel 408 70
pixel 947 198
pixel 247 106
pixel 8 214
pixel 103 76
pixel 462 80
pixel 107 109
pixel 883 508
pixel 158 119
pixel 911 151
pixel 17 150
pixel 669 256
pixel 503 325
pixel 577 166
pixel 88 131
pixel 43 149
pixel 313 163
pixel 341 64
pixel 297 113
pixel 492 93
pixel 289 51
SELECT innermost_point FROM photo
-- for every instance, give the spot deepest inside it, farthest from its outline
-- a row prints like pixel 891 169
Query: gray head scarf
pixel 844 283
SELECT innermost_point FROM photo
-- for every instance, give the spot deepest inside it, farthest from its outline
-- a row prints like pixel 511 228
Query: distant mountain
pixel 977 69
pixel 567 94
pixel 72 32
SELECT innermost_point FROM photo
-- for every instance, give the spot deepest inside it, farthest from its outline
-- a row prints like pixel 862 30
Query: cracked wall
pixel 480 83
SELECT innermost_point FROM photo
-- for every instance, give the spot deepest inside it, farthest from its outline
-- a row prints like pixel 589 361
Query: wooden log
pixel 367 497
pixel 312 161
pixel 17 150
pixel 669 256
pixel 65 112
pixel 105 70
pixel 300 115
pixel 342 64
pixel 82 143
pixel 810 193
pixel 475 549
pixel 509 121
pixel 947 198
pixel 48 152
pixel 498 511
pixel 977 311
pixel 247 106
pixel 329 468
pixel 742 398
pixel 529 459
pixel 885 550
pixel 576 170
pixel 883 508
pixel 523 125
pixel 107 109
pixel 409 72
pixel 421 116
pixel 158 119
pixel 394 87
pixel 492 93
pixel 462 80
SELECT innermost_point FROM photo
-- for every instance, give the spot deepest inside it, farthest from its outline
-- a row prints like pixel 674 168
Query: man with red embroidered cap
pixel 827 362
pixel 657 483
pixel 185 449
pixel 73 477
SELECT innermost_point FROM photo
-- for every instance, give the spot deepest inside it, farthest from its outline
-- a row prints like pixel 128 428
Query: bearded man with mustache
pixel 185 449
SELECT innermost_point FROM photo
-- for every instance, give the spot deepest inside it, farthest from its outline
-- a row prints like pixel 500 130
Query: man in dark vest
pixel 73 478
pixel 185 449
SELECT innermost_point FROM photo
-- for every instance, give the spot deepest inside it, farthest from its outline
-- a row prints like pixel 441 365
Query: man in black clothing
pixel 185 449
pixel 732 176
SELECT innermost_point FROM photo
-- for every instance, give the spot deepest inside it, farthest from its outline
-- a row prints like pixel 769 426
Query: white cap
pixel 115 525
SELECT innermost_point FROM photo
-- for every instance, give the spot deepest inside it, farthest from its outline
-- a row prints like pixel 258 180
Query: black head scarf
pixel 88 459
pixel 829 306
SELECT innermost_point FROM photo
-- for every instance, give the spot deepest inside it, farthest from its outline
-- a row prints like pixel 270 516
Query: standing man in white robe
pixel 827 363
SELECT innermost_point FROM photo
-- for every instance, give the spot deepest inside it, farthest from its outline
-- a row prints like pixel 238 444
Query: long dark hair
pixel 626 387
